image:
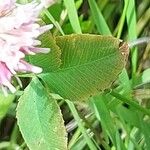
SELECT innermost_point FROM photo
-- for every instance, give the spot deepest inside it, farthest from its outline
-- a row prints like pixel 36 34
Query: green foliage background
pixel 119 117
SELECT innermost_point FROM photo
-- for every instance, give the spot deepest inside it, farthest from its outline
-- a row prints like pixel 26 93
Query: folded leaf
pixel 90 63
pixel 51 61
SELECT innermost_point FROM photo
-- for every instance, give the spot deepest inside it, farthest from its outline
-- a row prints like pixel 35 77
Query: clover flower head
pixel 19 31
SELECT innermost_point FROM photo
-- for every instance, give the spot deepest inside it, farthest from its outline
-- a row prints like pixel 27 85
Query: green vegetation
pixel 90 96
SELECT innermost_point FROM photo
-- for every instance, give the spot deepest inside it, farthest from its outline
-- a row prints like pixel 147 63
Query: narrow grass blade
pixel 99 19
pixel 131 102
pixel 122 19
pixel 81 126
pixel 103 116
pixel 73 17
pixel 131 22
pixel 51 18
pixel 143 21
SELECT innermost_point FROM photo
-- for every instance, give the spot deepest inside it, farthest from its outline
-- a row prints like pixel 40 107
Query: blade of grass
pixel 108 14
pixel 122 19
pixel 141 9
pixel 80 144
pixel 133 144
pixel 51 18
pixel 98 18
pixel 73 17
pixel 128 118
pixel 131 102
pixel 103 115
pixel 131 23
pixel 143 21
pixel 74 138
pixel 146 130
pixel 81 125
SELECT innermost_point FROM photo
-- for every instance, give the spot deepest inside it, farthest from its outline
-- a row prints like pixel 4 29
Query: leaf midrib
pixel 84 64
pixel 40 122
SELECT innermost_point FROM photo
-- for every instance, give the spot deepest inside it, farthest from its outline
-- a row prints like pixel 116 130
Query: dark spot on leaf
pixel 126 105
